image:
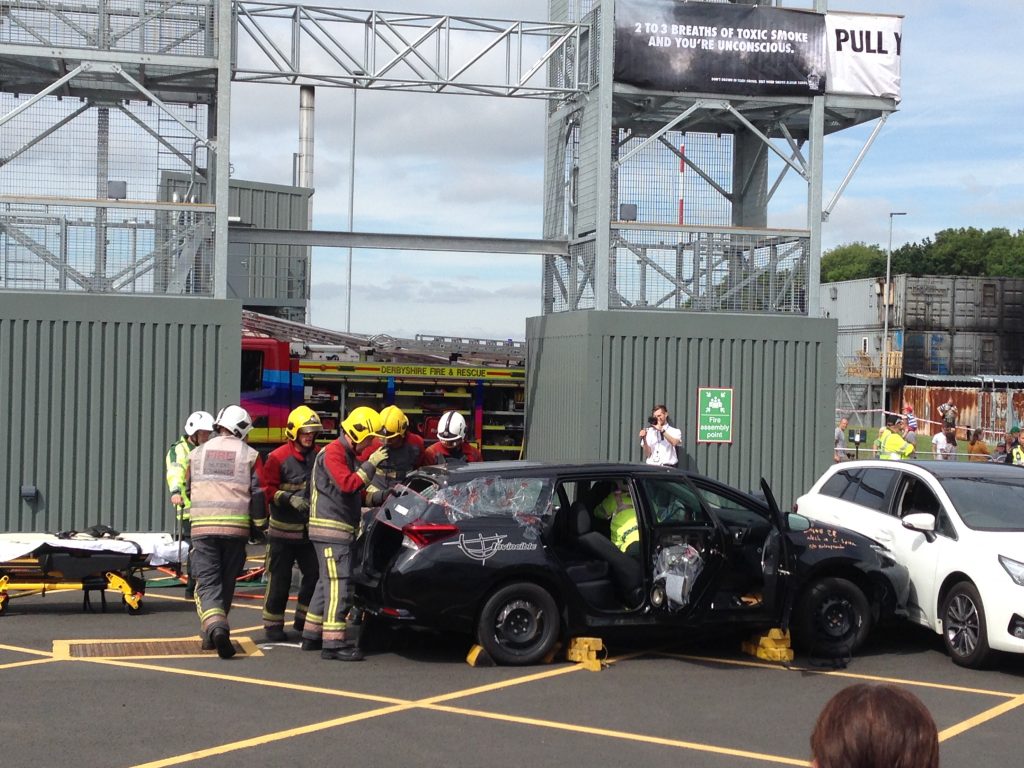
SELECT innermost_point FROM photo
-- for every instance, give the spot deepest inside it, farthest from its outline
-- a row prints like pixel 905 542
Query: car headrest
pixel 579 518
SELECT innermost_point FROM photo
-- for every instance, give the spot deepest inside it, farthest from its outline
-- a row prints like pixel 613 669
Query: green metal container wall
pixel 93 391
pixel 593 377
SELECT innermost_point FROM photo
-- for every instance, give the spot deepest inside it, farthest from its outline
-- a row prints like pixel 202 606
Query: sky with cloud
pixel 952 156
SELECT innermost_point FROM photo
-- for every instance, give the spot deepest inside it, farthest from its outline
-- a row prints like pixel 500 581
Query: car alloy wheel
pixel 963 626
pixel 519 624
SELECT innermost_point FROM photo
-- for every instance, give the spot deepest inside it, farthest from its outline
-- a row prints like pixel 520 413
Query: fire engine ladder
pixel 482 351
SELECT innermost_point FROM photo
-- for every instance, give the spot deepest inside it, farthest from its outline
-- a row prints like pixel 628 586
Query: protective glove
pixel 299 503
pixel 282 497
pixel 378 456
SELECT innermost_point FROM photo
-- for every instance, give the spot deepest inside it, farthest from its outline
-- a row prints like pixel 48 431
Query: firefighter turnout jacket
pixel 227 498
pixel 402 459
pixel 286 474
pixel 439 453
pixel 337 484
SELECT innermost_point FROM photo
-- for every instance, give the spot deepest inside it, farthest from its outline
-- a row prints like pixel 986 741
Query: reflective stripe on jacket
pixel 225 488
pixel 624 529
pixel 1018 455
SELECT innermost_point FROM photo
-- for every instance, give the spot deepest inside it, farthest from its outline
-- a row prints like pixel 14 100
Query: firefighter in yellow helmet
pixel 891 442
pixel 406 452
pixel 338 486
pixel 286 486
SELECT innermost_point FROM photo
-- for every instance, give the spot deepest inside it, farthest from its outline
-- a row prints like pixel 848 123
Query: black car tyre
pixel 832 618
pixel 963 626
pixel 519 624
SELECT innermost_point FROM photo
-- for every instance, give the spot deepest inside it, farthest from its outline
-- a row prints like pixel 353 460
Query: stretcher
pixel 37 563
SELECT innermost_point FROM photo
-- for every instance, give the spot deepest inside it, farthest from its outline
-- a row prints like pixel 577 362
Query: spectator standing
pixel 909 425
pixel 660 439
pixel 949 413
pixel 1000 456
pixel 875 726
pixel 840 453
pixel 943 446
pixel 977 448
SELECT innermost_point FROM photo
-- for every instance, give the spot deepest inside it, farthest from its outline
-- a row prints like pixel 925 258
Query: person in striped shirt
pixel 909 424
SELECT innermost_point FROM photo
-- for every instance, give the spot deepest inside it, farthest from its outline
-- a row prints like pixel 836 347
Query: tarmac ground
pixel 101 689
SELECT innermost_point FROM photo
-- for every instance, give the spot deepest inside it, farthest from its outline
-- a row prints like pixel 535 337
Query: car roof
pixel 463 472
pixel 941 469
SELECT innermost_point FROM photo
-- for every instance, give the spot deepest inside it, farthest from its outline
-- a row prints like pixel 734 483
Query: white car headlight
pixel 1015 569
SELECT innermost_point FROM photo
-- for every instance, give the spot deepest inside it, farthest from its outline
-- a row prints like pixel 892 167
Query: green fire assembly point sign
pixel 714 415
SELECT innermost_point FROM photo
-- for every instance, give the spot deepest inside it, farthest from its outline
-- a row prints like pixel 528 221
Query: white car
pixel 958 527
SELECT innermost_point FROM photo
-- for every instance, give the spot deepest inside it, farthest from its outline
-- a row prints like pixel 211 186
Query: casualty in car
pixel 521 555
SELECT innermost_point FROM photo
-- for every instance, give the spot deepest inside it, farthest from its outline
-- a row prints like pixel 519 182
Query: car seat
pixel 627 572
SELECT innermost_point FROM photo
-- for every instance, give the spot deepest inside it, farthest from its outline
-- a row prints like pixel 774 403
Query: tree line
pixel 969 252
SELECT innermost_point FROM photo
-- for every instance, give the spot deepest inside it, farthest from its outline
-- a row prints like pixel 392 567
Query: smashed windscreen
pixel 988 504
pixel 527 499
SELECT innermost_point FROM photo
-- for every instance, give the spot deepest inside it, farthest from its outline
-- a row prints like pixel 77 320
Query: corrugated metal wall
pixel 593 377
pixel 93 390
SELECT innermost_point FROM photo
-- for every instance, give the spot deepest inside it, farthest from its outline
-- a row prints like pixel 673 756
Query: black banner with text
pixel 718 48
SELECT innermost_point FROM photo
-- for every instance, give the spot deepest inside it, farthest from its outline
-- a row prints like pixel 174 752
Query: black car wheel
pixel 519 624
pixel 832 618
pixel 963 626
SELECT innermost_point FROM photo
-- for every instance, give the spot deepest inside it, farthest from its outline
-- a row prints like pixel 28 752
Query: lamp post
pixel 885 320
pixel 351 206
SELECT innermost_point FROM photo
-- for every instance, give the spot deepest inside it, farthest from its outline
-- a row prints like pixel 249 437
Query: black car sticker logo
pixel 483 547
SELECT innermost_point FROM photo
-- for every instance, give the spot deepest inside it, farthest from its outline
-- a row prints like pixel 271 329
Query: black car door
pixel 673 517
pixel 750 551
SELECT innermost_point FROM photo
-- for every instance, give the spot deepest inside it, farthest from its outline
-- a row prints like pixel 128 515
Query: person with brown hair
pixel 977 448
pixel 875 726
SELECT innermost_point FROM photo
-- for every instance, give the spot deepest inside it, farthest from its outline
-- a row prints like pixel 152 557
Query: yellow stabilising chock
pixel 478 657
pixel 773 645
pixel 120 584
pixel 585 650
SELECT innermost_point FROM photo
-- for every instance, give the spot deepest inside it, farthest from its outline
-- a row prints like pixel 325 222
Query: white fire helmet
pixel 235 419
pixel 451 427
pixel 199 421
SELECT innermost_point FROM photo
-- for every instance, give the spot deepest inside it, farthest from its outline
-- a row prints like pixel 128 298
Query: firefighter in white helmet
pixel 198 427
pixel 286 486
pixel 451 447
pixel 227 503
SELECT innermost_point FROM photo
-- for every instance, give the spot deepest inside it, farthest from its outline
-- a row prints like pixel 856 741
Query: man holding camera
pixel 659 440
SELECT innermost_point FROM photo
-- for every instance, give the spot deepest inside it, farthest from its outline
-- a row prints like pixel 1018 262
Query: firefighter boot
pixel 222 642
pixel 344 653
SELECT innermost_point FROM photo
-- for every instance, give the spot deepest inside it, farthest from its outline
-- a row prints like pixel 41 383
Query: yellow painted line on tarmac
pixel 983 717
pixel 262 682
pixel 257 741
pixel 622 735
pixel 28 663
pixel 30 651
pixel 840 673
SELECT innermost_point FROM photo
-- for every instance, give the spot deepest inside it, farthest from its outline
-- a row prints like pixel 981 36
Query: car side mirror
pixel 922 522
pixel 797 523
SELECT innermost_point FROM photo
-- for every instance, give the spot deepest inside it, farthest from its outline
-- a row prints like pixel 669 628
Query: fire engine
pixel 286 364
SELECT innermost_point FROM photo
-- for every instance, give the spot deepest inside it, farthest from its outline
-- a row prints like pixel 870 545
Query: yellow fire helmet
pixel 362 423
pixel 302 419
pixel 394 423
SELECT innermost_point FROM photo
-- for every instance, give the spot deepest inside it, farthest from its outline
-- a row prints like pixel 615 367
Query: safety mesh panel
pixel 569 281
pixel 708 271
pixel 64 153
pixel 184 28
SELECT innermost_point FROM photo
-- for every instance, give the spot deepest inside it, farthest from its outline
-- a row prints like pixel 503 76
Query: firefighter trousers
pixel 331 598
pixel 218 561
pixel 282 554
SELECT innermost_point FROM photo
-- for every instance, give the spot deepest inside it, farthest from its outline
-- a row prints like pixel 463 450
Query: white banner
pixel 863 54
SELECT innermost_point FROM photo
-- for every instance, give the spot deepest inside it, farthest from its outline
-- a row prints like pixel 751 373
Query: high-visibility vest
pixel 176 465
pixel 1018 456
pixel 624 529
pixel 222 470
pixel 894 446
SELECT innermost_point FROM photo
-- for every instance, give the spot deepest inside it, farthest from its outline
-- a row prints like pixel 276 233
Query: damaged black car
pixel 521 555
